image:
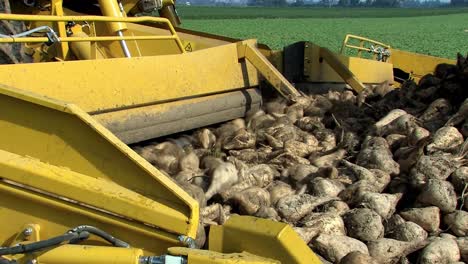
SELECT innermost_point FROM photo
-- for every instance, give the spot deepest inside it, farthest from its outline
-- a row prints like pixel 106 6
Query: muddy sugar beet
pixel 379 177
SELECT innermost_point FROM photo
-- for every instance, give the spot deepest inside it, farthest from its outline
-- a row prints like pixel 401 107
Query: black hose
pixel 73 236
pixel 27 248
pixel 98 232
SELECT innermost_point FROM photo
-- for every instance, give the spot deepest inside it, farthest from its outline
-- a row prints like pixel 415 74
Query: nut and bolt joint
pixel 28 231
pixel 187 241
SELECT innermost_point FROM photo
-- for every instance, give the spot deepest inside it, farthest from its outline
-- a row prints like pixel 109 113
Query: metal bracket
pixel 29 233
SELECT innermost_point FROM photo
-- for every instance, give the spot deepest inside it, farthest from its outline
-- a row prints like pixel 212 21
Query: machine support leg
pixel 273 76
pixel 342 70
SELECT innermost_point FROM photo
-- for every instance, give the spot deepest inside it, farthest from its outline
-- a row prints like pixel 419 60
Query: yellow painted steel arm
pixel 110 8
pixel 341 69
pixel 57 10
pixel 247 50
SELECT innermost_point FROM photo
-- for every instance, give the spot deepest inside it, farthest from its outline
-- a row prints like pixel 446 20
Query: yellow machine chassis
pixel 161 86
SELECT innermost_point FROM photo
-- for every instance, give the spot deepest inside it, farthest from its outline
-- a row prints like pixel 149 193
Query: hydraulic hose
pixel 29 32
pixel 49 31
pixel 75 235
pixel 98 232
pixel 35 246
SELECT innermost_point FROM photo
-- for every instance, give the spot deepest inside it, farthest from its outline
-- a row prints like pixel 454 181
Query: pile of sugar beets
pixel 379 177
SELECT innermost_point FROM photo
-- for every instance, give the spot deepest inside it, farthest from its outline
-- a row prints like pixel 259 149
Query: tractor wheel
pixel 11 53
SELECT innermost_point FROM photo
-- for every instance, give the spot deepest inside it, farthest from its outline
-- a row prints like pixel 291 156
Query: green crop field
pixel 440 32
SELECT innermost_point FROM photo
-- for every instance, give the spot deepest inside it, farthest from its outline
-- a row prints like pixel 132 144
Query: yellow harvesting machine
pixel 82 79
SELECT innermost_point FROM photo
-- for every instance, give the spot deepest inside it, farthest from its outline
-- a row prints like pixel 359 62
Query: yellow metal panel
pixel 369 71
pixel 261 237
pixel 97 85
pixel 192 40
pixel 276 58
pixel 416 64
pixel 365 70
pixel 95 192
pixel 148 47
pixel 64 136
pixel 197 256
pixel 75 254
pixel 202 40
pixel 20 207
pixel 152 121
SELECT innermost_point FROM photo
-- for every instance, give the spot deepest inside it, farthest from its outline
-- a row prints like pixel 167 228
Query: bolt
pixel 28 231
pixel 187 241
pixel 32 261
